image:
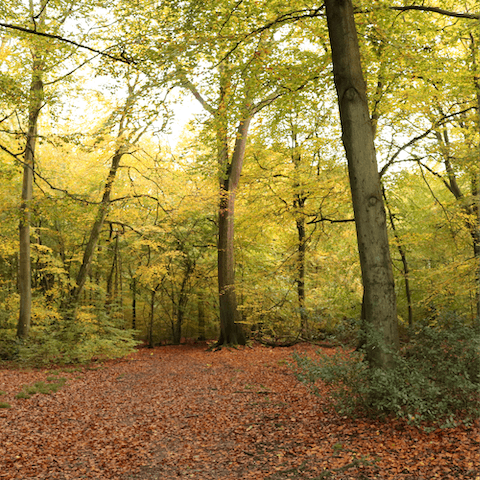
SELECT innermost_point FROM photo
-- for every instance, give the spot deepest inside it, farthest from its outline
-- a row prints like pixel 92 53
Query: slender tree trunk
pixel 476 180
pixel 403 256
pixel 25 267
pixel 112 277
pixel 476 248
pixel 469 205
pixel 134 303
pixel 299 205
pixel 183 298
pixel 201 316
pixel 177 327
pixel 370 219
pixel 300 280
pixel 96 230
pixel 152 316
pixel 230 328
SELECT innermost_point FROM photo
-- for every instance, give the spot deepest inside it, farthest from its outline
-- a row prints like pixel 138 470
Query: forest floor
pixel 184 412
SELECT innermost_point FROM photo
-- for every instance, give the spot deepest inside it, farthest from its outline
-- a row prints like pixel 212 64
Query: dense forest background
pixel 110 215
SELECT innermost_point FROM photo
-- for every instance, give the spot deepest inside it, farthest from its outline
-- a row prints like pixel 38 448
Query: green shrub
pixel 435 377
pixel 76 340
pixel 9 344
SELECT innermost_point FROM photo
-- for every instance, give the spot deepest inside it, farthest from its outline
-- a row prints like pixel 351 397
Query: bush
pixel 9 344
pixel 70 340
pixel 435 377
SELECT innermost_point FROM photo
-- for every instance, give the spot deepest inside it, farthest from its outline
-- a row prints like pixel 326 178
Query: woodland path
pixel 184 412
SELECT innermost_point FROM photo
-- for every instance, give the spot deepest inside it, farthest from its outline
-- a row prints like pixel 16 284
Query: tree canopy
pixel 125 235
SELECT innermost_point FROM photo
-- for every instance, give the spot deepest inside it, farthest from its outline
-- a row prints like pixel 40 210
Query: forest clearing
pixel 185 412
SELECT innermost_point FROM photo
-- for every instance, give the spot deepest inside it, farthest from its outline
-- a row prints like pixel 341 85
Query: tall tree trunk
pixel 299 205
pixel 476 180
pixel 370 219
pixel 230 328
pixel 25 267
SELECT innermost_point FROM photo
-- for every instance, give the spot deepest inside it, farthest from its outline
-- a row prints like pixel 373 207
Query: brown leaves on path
pixel 184 412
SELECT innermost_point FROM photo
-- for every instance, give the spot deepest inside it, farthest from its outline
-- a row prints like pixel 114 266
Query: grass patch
pixel 5 405
pixel 53 386
pixel 22 394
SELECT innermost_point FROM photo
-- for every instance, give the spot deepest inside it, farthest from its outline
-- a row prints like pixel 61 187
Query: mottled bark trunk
pixel 370 219
pixel 230 328
pixel 300 280
pixel 25 267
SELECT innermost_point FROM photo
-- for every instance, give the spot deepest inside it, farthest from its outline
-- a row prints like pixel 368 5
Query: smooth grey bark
pixel 370 220
pixel 25 267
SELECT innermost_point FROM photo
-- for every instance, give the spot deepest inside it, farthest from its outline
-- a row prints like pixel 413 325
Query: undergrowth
pixel 68 340
pixel 435 377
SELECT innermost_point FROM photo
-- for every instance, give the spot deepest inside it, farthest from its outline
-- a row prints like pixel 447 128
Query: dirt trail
pixel 183 412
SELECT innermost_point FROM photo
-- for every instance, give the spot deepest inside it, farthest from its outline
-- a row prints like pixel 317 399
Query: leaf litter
pixel 185 412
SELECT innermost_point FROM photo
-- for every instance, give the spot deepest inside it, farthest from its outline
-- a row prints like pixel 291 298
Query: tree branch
pixel 122 58
pixel 437 124
pixel 325 219
pixel 441 11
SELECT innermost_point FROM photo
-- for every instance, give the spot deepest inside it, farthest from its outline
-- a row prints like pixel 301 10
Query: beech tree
pixel 379 290
pixel 42 53
pixel 246 78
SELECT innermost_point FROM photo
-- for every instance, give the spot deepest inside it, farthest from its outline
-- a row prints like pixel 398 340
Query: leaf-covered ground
pixel 184 412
